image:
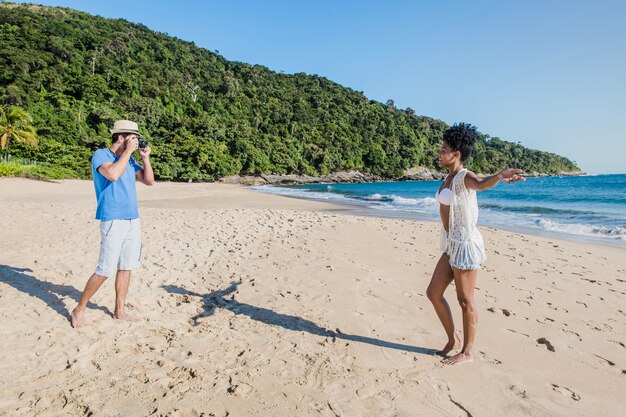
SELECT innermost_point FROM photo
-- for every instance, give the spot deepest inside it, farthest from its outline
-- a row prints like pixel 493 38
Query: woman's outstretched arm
pixel 508 175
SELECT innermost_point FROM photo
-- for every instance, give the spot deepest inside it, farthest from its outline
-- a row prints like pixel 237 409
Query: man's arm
pixel 145 175
pixel 507 175
pixel 112 171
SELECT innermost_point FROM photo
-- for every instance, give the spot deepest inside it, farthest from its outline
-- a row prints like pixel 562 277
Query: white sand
pixel 243 296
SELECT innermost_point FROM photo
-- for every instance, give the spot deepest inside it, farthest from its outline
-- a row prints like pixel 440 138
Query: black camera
pixel 142 142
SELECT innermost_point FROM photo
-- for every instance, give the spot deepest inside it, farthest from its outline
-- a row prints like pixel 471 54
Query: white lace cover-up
pixel 463 242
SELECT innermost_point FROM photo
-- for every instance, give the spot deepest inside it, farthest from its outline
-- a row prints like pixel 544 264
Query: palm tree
pixel 16 125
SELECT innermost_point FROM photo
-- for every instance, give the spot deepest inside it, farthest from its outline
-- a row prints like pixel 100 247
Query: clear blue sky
pixel 549 74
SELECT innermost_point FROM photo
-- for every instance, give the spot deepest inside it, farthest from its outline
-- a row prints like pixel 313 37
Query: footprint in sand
pixel 72 405
pixel 544 341
pixel 566 391
pixel 183 373
pixel 605 360
pixel 485 357
pixel 556 308
pixel 600 327
pixel 491 297
pixel 580 339
pixel 315 368
pixel 515 331
pixel 518 391
pixel 503 310
pixel 239 389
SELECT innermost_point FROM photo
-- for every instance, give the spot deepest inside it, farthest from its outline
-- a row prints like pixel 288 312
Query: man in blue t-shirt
pixel 114 173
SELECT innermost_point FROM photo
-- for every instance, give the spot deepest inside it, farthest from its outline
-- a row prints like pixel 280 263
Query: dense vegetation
pixel 206 117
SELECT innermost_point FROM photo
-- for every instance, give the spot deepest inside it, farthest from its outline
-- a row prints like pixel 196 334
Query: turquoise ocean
pixel 586 208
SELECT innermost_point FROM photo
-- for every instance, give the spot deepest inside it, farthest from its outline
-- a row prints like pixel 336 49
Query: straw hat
pixel 125 126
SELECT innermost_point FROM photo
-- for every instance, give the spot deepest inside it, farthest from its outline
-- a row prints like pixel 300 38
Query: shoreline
pixel 361 209
pixel 253 304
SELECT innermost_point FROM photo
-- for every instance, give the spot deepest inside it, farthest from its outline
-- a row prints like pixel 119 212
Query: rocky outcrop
pixel 243 180
pixel 272 179
pixel 289 179
pixel 535 174
pixel 421 174
pixel 351 176
pixel 571 173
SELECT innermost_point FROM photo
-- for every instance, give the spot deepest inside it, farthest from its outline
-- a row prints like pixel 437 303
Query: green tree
pixel 16 125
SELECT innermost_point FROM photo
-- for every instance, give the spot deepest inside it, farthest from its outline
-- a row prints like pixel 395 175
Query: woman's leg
pixel 465 281
pixel 442 277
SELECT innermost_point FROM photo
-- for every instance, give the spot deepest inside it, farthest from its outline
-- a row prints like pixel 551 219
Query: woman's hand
pixel 511 175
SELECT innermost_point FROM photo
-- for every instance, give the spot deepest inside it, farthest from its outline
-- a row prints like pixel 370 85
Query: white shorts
pixel 120 246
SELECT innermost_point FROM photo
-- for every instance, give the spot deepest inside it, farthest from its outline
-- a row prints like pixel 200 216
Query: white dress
pixel 463 242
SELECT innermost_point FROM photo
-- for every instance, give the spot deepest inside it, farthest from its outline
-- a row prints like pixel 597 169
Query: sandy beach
pixel 260 305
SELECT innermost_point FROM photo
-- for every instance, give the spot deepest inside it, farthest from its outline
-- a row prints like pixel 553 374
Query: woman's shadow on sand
pixel 220 299
pixel 49 293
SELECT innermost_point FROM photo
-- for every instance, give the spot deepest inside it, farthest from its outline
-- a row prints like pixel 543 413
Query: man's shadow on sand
pixel 218 299
pixel 49 293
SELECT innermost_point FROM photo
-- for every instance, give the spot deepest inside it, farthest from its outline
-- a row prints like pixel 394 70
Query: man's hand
pixel 132 145
pixel 144 153
pixel 145 175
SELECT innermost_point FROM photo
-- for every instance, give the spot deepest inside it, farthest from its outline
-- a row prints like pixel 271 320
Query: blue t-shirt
pixel 118 199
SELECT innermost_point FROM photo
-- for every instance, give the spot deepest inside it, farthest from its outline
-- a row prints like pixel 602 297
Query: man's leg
pixel 122 282
pixel 130 258
pixel 93 284
pixel 110 247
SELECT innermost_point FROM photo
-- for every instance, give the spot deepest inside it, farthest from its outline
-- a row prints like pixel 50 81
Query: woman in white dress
pixel 461 242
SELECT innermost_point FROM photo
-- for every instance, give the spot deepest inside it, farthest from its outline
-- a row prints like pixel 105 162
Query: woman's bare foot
pixel 78 318
pixel 125 317
pixel 451 345
pixel 460 357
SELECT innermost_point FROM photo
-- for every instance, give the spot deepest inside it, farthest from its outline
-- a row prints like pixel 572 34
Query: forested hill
pixel 204 116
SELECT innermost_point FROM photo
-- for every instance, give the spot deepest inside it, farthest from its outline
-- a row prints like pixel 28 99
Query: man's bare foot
pixel 460 357
pixel 78 318
pixel 125 317
pixel 451 345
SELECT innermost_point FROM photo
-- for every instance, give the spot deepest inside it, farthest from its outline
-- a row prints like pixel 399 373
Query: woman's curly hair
pixel 461 137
